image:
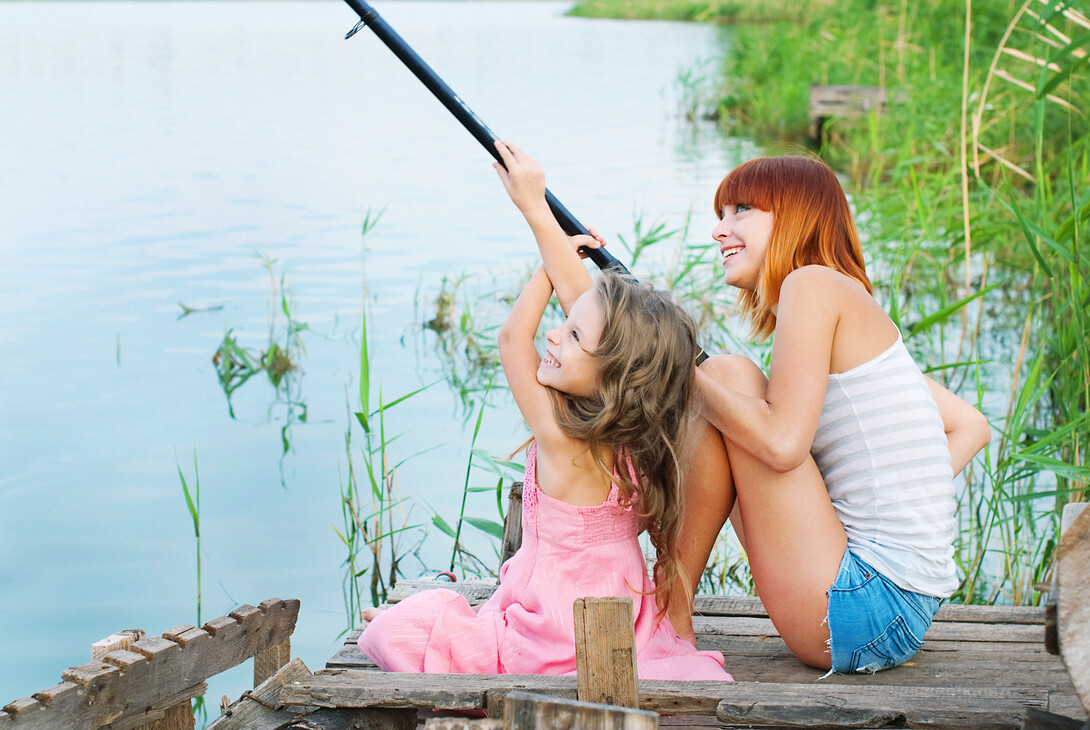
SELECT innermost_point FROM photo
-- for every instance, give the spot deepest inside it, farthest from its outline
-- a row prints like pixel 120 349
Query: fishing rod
pixel 370 18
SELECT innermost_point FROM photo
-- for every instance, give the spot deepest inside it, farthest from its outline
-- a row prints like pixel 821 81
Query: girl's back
pixel 527 627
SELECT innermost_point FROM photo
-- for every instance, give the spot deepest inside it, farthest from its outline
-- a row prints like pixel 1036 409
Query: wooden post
pixel 605 651
pixel 528 711
pixel 512 524
pixel 270 661
pixel 1073 615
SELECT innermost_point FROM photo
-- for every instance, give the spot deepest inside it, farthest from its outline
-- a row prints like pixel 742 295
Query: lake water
pixel 155 154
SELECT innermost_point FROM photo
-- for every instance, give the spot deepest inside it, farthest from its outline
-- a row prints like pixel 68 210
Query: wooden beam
pixel 528 711
pixel 860 706
pixel 605 651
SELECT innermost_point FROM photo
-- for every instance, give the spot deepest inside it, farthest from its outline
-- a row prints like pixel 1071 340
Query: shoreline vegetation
pixel 971 193
pixel 971 188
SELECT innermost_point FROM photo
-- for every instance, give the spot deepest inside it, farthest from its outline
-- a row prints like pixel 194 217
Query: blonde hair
pixel 812 224
pixel 646 356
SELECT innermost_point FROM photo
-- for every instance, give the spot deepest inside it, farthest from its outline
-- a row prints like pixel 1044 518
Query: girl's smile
pixel 569 364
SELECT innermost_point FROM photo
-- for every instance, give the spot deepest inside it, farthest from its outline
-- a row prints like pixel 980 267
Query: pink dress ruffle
pixel 527 626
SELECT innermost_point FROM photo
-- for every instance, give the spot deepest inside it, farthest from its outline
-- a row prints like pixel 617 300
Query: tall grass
pixel 972 190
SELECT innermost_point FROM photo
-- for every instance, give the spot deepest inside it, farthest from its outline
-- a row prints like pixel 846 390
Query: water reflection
pixel 160 148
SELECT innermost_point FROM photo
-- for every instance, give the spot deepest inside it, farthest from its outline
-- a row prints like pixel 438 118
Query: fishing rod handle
pixel 473 124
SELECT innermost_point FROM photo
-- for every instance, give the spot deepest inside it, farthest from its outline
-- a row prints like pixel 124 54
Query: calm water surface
pixel 155 154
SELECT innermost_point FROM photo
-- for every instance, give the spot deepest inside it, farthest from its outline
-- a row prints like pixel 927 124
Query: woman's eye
pixel 739 207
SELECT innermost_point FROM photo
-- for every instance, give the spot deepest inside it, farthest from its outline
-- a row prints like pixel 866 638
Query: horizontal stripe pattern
pixel 881 448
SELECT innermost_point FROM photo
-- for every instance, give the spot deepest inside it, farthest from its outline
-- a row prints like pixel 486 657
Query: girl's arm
pixel 524 181
pixel 779 428
pixel 967 429
pixel 520 358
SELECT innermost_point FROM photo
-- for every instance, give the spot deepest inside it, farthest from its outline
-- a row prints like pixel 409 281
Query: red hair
pixel 812 224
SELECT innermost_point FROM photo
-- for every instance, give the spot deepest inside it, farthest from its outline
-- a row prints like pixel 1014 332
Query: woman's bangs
pixel 749 183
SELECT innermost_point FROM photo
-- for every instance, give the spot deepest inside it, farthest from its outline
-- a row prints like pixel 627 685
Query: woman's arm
pixel 524 181
pixel 779 428
pixel 967 429
pixel 520 358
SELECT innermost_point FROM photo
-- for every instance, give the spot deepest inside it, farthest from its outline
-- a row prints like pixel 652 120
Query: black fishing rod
pixel 454 104
pixel 369 17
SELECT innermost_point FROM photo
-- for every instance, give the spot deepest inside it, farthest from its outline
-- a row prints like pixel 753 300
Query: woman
pixel 850 548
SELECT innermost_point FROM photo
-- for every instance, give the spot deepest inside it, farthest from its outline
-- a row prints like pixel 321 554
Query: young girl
pixel 837 471
pixel 606 406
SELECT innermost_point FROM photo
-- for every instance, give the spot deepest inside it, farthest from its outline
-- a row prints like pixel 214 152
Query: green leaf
pixel 365 375
pixel 442 524
pixel 944 313
pixel 1067 53
pixel 489 527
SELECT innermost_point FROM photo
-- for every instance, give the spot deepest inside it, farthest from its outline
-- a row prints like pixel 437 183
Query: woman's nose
pixel 722 229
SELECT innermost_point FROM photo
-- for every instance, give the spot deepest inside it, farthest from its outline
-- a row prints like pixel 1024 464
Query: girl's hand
pixel 592 241
pixel 523 177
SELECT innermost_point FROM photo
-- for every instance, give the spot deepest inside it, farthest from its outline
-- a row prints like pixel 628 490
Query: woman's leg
pixel 793 538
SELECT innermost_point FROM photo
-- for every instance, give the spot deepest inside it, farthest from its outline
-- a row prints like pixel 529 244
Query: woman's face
pixel 743 234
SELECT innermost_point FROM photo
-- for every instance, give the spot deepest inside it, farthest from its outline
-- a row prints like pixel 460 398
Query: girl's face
pixel 743 234
pixel 569 365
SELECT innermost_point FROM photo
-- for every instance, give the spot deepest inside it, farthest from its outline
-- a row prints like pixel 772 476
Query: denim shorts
pixel 873 623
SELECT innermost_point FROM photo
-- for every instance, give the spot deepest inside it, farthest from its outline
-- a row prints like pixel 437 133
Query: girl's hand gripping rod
pixel 369 17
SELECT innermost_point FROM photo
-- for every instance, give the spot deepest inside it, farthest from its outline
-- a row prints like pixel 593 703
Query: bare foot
pixel 369 614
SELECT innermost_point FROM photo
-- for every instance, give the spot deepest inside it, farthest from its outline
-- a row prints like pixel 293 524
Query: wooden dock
pixel 981 666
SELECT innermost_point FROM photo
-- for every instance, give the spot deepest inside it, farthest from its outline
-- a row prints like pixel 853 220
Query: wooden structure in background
pixel 848 102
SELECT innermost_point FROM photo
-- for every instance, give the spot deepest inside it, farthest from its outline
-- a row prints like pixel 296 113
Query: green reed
pixel 971 188
pixel 193 505
pixel 971 194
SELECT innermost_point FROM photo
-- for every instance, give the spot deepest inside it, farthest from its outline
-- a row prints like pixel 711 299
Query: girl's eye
pixel 575 335
pixel 740 207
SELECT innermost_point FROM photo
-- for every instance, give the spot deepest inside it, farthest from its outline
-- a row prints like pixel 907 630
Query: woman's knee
pixel 738 372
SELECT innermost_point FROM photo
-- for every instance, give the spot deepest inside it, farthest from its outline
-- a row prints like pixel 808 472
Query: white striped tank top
pixel 881 448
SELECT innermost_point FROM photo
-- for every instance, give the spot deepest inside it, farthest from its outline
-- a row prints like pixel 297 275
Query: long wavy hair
pixel 646 355
pixel 811 224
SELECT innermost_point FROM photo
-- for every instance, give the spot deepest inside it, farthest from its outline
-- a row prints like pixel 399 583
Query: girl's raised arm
pixel 524 181
pixel 520 358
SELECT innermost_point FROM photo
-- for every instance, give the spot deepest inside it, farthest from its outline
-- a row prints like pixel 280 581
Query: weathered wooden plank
pixel 475 591
pixel 252 711
pixel 464 723
pixel 939 630
pixel 333 688
pixel 704 606
pixel 528 711
pixel 605 651
pixel 168 712
pixel 1073 607
pixel 137 681
pixel 864 706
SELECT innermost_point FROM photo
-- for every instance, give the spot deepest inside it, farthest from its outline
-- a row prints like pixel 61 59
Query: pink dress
pixel 527 626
